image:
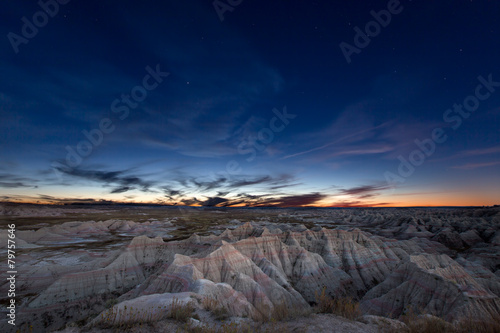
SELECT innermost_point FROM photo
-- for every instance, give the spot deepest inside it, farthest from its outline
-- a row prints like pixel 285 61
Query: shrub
pixel 110 303
pixel 429 324
pixel 281 312
pixel 324 303
pixel 218 310
pixel 344 306
pixel 179 311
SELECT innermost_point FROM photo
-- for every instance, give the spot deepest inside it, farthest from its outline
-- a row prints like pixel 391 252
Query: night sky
pixel 251 103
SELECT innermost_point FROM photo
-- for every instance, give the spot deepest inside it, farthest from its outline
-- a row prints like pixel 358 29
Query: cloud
pixel 56 200
pixel 13 181
pixel 354 125
pixel 472 166
pixel 291 200
pixel 484 151
pixel 364 151
pixel 190 202
pixel 124 181
pixel 226 185
pixel 344 138
pixel 281 180
pixel 277 187
pixel 121 189
pixel 473 152
pixel 209 185
pixel 364 190
pixel 233 203
pixel 265 200
pixel 14 184
pixel 214 201
pixel 170 193
pixel 356 203
pixel 248 196
pixel 248 182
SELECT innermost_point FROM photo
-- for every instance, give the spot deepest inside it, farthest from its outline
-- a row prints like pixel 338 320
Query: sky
pixel 250 103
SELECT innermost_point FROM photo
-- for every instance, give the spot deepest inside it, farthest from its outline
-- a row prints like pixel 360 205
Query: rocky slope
pixel 256 269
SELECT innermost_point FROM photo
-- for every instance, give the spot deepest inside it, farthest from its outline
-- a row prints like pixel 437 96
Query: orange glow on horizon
pixel 414 203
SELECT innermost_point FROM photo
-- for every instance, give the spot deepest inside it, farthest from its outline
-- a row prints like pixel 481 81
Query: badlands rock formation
pixel 405 261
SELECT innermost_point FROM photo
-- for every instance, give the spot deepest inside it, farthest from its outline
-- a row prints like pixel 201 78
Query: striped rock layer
pixel 251 270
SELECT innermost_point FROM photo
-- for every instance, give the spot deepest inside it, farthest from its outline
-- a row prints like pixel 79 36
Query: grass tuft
pixel 181 312
pixel 343 306
pixel 213 305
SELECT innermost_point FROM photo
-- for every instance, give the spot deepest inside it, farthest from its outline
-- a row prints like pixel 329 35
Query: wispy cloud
pixel 290 201
pixel 472 166
pixel 121 180
pixel 225 184
pixel 13 181
pixel 483 151
pixel 358 203
pixel 340 140
pixel 470 153
pixel 264 200
pixel 364 190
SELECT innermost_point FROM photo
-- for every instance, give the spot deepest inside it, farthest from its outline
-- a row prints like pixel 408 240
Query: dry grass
pixel 180 311
pixel 135 317
pixel 430 324
pixel 343 306
pixel 213 305
pixel 281 312
pixel 126 318
pixel 488 324
pixel 110 303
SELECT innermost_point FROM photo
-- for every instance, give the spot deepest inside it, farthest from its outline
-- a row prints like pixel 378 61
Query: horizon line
pixel 235 207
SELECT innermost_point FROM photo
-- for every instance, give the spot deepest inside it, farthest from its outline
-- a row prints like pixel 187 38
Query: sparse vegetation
pixel 213 305
pixel 478 325
pixel 281 312
pixel 425 323
pixel 126 318
pixel 181 312
pixel 344 306
pixel 429 324
pixel 110 303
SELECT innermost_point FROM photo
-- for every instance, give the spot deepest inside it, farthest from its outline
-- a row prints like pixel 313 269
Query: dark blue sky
pixel 162 101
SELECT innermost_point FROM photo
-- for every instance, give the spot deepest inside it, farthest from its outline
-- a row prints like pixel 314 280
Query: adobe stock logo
pixel 29 29
pixel 225 6
pixel 372 29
